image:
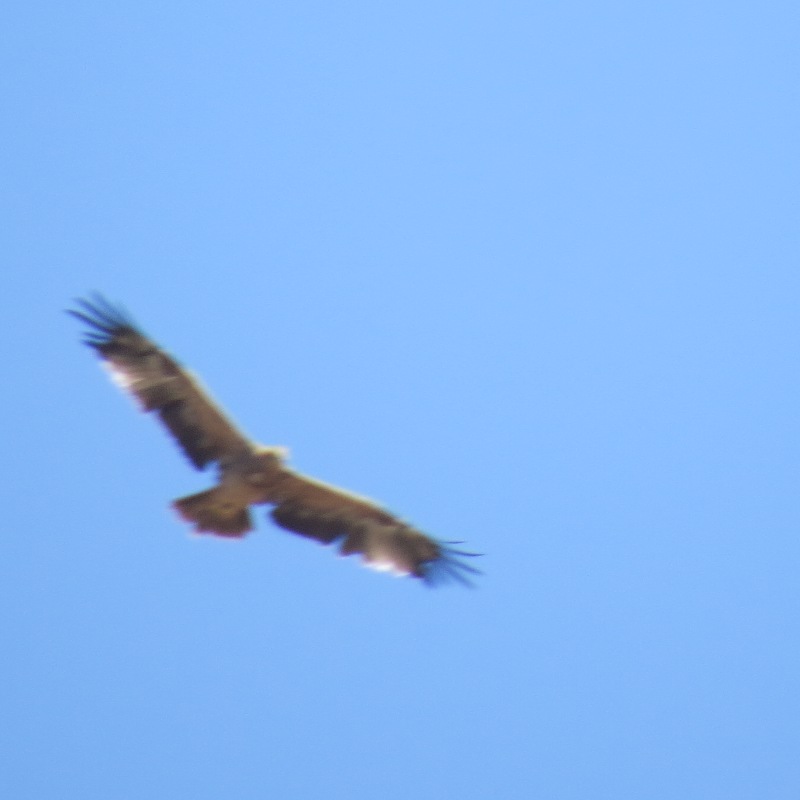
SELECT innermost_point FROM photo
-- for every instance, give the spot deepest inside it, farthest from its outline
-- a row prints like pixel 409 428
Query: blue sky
pixel 527 274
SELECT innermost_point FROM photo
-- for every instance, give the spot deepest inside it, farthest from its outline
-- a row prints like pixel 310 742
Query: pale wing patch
pixel 386 566
pixel 119 377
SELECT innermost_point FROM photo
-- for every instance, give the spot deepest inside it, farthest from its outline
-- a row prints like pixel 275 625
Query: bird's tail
pixel 212 512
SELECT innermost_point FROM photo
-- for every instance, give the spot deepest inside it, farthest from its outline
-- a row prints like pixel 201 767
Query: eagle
pixel 249 473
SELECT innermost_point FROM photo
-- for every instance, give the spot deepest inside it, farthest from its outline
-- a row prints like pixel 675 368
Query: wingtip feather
pixel 102 316
pixel 449 568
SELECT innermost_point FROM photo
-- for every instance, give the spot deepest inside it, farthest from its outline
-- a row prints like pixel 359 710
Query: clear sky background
pixel 525 272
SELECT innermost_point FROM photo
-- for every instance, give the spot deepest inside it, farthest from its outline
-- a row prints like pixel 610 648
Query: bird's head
pixel 271 454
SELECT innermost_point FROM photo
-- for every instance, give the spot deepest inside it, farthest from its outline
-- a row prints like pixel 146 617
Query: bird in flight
pixel 252 474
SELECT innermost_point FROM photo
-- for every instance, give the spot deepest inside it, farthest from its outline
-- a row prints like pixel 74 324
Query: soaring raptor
pixel 249 473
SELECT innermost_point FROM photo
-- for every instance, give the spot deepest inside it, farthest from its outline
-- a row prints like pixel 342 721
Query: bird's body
pixel 249 473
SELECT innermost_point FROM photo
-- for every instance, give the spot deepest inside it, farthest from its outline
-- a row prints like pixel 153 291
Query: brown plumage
pixel 249 473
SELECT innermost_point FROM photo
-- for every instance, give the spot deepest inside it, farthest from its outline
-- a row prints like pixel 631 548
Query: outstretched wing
pixel 328 514
pixel 159 384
